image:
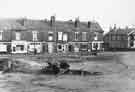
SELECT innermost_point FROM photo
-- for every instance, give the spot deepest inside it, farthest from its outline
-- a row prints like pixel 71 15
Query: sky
pixel 106 12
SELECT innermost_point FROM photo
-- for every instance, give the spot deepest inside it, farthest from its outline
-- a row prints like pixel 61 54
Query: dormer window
pixel 50 36
pixel 18 36
pixel 1 32
pixel 34 35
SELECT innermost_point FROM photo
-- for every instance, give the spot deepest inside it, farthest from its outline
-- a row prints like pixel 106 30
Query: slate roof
pixel 10 24
pixel 40 25
pixel 43 26
pixel 120 31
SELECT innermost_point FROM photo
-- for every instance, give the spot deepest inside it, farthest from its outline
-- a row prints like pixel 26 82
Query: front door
pixel 62 48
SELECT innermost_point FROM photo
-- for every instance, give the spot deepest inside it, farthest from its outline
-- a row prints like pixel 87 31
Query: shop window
pixel 20 47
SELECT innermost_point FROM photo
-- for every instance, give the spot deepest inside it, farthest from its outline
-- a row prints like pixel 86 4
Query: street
pixel 118 76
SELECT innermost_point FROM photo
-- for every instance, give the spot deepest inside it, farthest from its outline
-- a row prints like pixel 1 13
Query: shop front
pixel 97 45
pixel 35 47
pixel 19 47
pixel 5 47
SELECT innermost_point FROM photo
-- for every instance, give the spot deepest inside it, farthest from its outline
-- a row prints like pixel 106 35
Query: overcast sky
pixel 106 12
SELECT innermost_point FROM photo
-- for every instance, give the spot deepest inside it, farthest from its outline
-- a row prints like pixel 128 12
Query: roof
pixel 8 24
pixel 121 31
pixel 44 25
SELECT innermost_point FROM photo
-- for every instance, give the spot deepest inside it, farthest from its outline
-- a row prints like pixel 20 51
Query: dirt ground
pixel 118 70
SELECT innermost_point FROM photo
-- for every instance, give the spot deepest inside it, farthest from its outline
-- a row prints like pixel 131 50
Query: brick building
pixel 119 39
pixel 50 36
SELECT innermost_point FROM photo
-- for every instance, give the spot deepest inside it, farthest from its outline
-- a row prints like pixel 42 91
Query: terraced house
pixel 49 36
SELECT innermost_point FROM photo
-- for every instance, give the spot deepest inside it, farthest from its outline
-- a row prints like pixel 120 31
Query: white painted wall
pixel 3 48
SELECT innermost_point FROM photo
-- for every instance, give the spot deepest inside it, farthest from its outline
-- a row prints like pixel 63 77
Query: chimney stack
pixel 110 28
pixel 77 22
pixel 52 20
pixel 114 27
pixel 22 21
pixel 89 24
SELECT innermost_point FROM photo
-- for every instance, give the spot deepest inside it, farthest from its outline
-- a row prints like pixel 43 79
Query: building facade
pixel 119 39
pixel 50 36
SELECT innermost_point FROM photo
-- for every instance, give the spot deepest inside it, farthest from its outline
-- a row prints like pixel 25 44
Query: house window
pixel 84 36
pixel 110 37
pixel 65 37
pixel 113 37
pixel 96 36
pixel 76 36
pixel 59 35
pixel 1 35
pixel 18 36
pixel 34 35
pixel 50 36
pixel 119 37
